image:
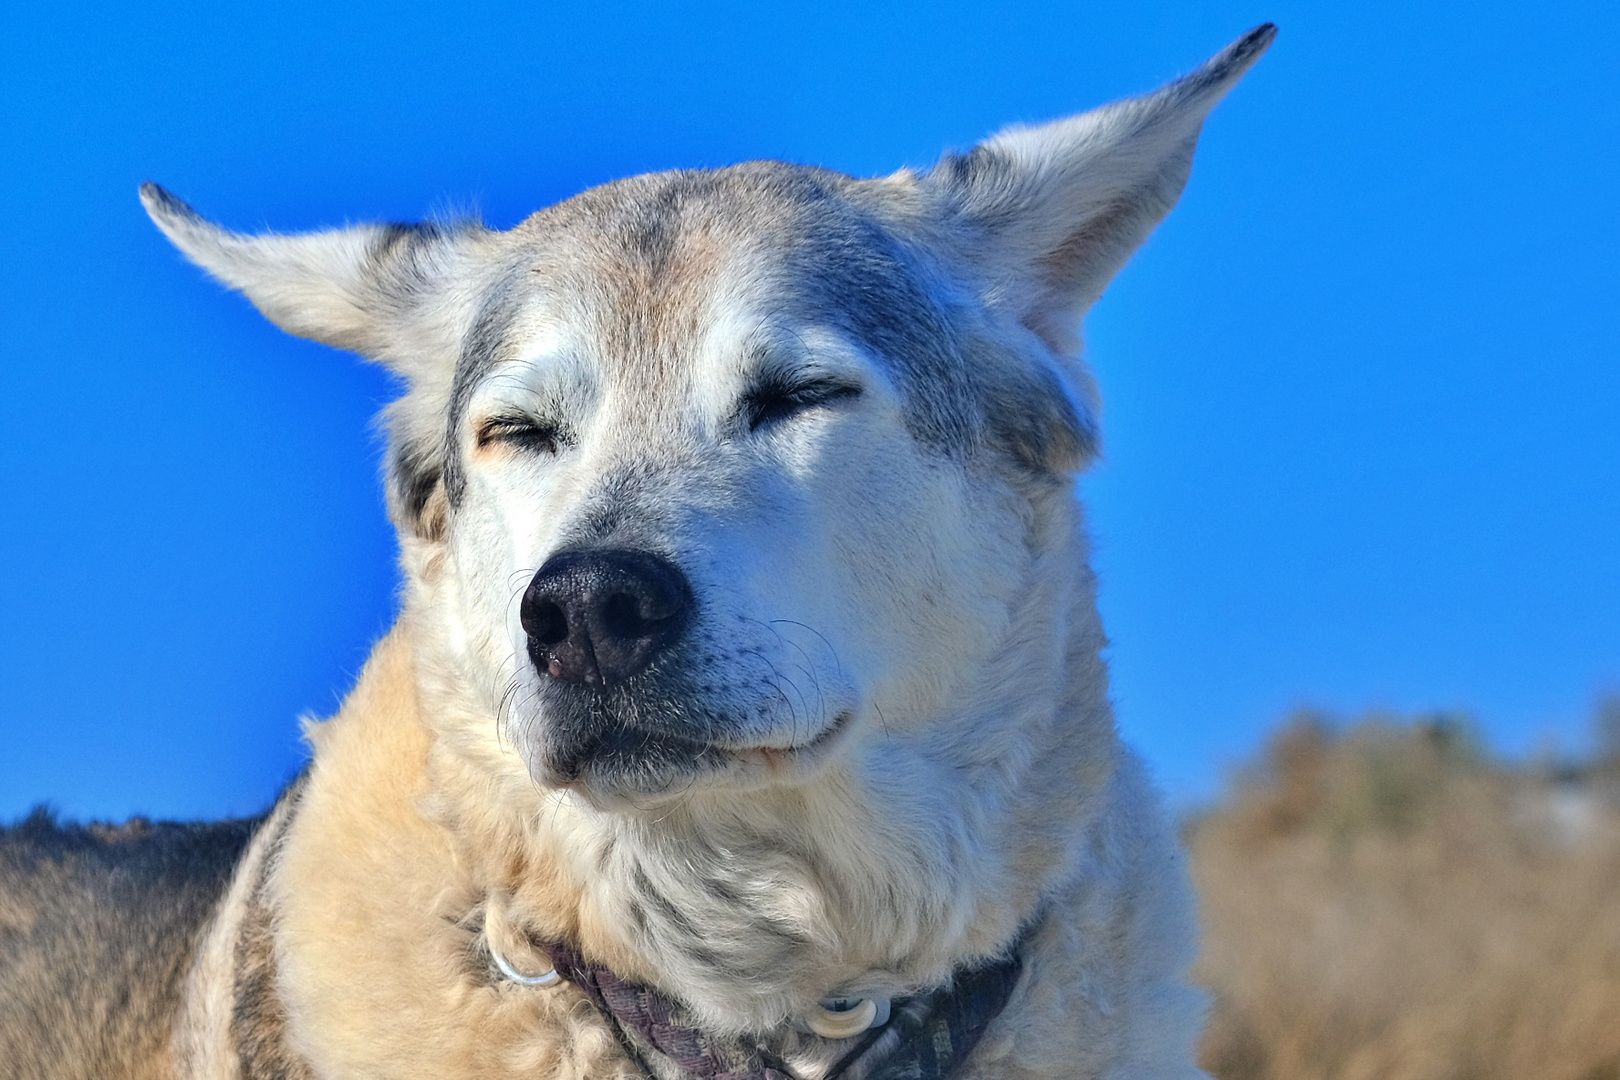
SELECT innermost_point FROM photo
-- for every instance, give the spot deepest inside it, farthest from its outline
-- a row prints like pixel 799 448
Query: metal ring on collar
pixel 841 1018
pixel 545 978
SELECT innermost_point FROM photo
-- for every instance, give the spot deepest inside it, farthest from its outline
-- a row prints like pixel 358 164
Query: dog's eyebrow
pixel 545 383
pixel 781 356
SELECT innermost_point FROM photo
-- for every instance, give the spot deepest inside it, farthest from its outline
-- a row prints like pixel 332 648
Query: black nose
pixel 599 617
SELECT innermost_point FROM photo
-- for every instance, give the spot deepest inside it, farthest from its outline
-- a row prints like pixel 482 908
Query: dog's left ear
pixel 383 291
pixel 1049 214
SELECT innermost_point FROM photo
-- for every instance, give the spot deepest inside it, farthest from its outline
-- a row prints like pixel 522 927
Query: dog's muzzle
pixel 597 618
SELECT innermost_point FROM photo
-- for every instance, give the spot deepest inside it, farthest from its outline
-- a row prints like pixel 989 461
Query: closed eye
pixel 774 401
pixel 522 432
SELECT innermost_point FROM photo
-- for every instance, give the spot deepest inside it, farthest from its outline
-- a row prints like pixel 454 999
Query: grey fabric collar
pixel 927 1037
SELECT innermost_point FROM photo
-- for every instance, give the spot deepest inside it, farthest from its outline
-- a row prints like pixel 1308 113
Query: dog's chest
pixel 424 994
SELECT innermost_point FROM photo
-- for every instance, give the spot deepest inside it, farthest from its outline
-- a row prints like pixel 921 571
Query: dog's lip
pixel 747 764
pixel 776 759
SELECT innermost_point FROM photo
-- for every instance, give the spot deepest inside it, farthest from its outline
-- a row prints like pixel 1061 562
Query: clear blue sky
pixel 1362 390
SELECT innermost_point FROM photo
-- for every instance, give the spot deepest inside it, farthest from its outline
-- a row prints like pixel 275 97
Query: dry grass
pixel 1387 904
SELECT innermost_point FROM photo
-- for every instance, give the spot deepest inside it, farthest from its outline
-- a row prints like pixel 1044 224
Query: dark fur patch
pixel 415 476
pixel 479 353
pixel 258 1018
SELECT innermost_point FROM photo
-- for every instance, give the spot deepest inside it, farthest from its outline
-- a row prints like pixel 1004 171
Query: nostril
pixel 546 623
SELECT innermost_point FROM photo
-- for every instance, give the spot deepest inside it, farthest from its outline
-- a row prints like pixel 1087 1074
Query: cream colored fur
pixel 382 867
pixel 897 656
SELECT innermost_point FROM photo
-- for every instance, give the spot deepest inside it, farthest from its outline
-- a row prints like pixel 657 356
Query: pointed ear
pixel 379 290
pixel 1051 213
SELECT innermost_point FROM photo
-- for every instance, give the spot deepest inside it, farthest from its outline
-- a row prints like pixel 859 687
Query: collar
pixel 927 1037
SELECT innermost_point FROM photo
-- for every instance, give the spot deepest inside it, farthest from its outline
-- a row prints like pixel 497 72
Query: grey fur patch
pixel 98 925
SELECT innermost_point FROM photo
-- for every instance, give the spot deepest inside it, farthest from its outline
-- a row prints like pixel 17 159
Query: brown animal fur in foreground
pixel 1387 904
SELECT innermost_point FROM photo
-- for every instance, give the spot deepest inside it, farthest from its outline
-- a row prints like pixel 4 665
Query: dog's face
pixel 741 474
pixel 712 477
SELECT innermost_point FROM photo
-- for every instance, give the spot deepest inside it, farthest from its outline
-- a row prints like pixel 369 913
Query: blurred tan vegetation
pixel 1383 901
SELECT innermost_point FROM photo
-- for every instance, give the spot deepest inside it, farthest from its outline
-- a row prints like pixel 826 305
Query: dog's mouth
pixel 629 762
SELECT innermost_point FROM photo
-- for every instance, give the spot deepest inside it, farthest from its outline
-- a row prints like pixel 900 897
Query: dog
pixel 745 716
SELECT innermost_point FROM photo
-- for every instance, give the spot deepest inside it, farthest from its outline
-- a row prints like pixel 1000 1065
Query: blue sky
pixel 1362 390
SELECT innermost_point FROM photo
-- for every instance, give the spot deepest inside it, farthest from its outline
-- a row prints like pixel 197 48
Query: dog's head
pixel 711 475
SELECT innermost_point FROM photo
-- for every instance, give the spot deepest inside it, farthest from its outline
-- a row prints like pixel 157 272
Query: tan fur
pixel 380 884
pixel 373 883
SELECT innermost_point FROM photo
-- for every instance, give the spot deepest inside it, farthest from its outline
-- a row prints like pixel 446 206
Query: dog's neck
pixel 906 858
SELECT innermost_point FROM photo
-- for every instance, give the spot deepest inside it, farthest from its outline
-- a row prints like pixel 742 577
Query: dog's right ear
pixel 378 290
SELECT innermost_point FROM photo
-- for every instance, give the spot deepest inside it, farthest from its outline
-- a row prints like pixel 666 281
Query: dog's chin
pixel 636 768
